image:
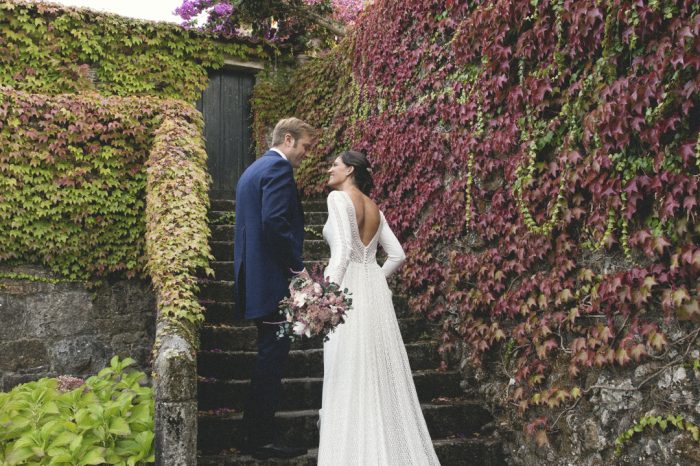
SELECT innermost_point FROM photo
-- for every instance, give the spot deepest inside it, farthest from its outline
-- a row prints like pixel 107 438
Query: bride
pixel 370 412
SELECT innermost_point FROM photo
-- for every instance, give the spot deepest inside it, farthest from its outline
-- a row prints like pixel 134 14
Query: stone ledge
pixel 175 370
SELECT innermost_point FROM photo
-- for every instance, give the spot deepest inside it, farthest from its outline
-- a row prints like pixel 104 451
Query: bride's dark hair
pixel 362 172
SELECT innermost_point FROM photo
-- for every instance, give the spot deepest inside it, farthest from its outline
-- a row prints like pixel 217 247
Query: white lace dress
pixel 370 411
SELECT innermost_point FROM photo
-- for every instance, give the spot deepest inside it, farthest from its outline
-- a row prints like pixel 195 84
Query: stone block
pixel 125 298
pixel 9 381
pixel 61 310
pixel 13 316
pixel 176 370
pixel 79 355
pixel 23 354
pixel 176 433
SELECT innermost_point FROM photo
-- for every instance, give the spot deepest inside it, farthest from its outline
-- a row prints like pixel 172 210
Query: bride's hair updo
pixel 362 172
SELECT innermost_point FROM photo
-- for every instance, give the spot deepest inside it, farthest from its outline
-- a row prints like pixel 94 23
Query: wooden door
pixel 225 105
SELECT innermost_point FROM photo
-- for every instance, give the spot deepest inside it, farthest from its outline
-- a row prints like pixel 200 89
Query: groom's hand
pixel 303 274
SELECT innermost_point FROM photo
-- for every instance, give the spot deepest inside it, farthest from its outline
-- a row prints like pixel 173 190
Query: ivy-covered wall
pixel 90 181
pixel 103 177
pixel 73 169
pixel 540 161
pixel 97 188
pixel 323 92
pixel 52 49
pixel 74 180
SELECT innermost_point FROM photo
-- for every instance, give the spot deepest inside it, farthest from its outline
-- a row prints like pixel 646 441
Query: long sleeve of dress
pixel 340 237
pixel 392 247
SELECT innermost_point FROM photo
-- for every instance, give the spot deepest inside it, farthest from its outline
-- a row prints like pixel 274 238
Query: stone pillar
pixel 175 386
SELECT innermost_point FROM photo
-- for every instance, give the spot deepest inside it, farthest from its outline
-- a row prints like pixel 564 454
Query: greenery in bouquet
pixel 315 306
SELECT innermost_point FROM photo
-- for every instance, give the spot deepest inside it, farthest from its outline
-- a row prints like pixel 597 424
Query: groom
pixel 267 252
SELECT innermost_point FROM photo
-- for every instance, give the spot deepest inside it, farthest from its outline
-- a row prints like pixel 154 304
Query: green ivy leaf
pixel 119 426
pixel 94 456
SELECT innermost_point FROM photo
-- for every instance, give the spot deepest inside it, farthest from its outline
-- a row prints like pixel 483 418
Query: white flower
pixel 303 282
pixel 300 328
pixel 300 299
pixel 318 291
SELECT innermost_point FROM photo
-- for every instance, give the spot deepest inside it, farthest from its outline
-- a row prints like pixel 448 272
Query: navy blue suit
pixel 268 246
pixel 269 235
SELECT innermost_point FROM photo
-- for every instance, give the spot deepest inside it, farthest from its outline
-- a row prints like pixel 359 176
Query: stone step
pixel 301 363
pixel 305 393
pixel 313 249
pixel 451 452
pixel 222 312
pixel 222 204
pixel 310 205
pixel 226 217
pixel 225 232
pixel 463 451
pixel 222 250
pixel 215 290
pixel 222 233
pixel 217 432
pixel 315 218
pixel 223 270
pixel 235 458
pixel 244 338
pixel 312 232
pixel 221 217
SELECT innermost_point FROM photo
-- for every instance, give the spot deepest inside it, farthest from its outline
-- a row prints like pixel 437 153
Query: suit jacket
pixel 269 235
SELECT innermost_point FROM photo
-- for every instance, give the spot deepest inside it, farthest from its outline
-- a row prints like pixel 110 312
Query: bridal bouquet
pixel 314 307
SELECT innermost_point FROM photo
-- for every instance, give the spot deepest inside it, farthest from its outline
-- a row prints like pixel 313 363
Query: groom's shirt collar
pixel 274 149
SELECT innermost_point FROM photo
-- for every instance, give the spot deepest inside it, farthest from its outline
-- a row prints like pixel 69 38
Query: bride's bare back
pixel 367 214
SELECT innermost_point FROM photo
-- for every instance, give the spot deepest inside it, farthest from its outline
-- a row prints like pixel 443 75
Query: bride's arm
pixel 392 247
pixel 340 237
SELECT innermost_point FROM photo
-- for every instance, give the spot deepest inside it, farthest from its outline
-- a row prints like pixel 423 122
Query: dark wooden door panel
pixel 225 105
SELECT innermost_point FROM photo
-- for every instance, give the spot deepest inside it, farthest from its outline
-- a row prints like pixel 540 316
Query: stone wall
pixel 613 399
pixel 49 329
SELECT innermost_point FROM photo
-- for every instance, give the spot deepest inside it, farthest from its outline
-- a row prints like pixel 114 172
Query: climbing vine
pixel 177 201
pixel 31 278
pixel 93 187
pixel 663 422
pixel 89 184
pixel 52 49
pixel 566 135
pixel 316 92
pixel 73 182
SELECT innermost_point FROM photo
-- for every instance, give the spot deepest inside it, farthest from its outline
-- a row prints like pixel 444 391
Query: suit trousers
pixel 266 383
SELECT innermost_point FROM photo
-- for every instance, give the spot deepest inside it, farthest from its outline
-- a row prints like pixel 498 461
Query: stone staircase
pixel 460 428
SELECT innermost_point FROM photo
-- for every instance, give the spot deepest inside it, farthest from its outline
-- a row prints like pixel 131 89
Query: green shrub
pixel 63 421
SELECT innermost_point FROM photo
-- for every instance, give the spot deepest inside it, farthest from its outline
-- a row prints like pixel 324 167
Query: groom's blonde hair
pixel 292 126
